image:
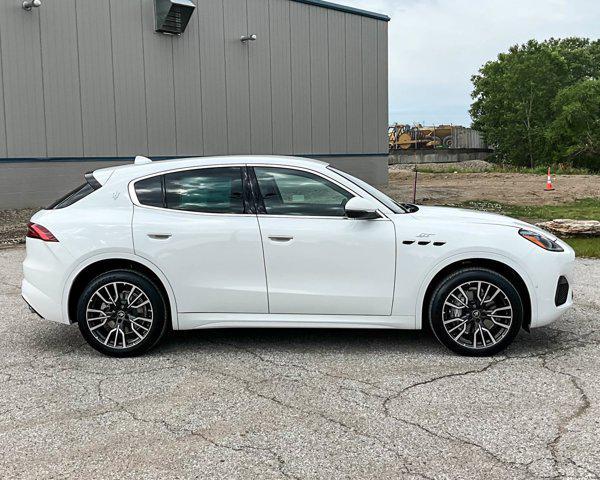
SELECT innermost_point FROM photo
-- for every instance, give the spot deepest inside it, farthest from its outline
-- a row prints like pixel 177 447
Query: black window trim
pixel 261 209
pixel 248 200
pixel 91 180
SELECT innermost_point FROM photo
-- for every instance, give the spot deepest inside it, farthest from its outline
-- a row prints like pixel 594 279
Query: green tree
pixel 574 134
pixel 514 96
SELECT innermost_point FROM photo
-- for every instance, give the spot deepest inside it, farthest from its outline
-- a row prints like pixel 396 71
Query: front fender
pixel 417 270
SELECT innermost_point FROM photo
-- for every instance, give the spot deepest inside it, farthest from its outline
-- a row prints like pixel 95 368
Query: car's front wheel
pixel 122 313
pixel 476 312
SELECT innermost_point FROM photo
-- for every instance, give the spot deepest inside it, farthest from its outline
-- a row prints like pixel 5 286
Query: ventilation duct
pixel 172 16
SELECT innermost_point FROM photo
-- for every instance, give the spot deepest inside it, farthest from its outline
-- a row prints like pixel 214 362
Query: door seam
pixel 262 245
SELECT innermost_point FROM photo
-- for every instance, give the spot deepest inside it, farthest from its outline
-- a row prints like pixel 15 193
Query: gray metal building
pixel 89 83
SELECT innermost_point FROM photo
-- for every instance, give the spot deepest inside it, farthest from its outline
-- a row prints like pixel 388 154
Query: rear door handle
pixel 281 238
pixel 159 236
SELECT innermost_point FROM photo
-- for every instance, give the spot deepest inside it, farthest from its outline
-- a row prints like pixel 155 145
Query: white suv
pixel 282 242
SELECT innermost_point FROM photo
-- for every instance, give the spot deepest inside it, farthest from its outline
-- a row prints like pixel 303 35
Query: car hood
pixel 464 216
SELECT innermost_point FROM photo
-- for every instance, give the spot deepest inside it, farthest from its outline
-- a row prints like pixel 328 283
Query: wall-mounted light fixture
pixel 172 16
pixel 29 4
pixel 248 38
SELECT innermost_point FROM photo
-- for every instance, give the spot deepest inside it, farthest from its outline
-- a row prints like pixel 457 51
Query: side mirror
pixel 361 209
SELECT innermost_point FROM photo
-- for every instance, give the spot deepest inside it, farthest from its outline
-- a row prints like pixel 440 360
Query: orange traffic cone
pixel 549 186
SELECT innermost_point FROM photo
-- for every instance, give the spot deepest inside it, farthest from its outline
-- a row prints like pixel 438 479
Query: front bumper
pixel 551 268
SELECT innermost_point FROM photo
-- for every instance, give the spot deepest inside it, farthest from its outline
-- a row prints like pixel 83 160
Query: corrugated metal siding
pixel 369 84
pixel 319 80
pixel 23 82
pixel 187 80
pixel 301 96
pixel 60 76
pixel 259 64
pixel 281 74
pixel 129 77
pixel 160 92
pixel 3 149
pixel 96 78
pixel 354 85
pixel 463 137
pixel 382 87
pixel 336 29
pixel 91 78
pixel 212 76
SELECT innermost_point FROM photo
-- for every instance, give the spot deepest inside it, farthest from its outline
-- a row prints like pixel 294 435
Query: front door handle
pixel 281 238
pixel 159 236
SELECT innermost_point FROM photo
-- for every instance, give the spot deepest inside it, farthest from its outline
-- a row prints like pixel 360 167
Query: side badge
pixel 116 195
pixel 425 235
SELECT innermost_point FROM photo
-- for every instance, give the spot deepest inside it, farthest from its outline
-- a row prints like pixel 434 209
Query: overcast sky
pixel 436 45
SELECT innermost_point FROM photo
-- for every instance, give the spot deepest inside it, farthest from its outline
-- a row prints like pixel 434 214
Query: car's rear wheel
pixel 122 313
pixel 476 312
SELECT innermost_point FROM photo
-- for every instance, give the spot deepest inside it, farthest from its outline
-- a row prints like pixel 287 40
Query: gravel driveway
pixel 299 404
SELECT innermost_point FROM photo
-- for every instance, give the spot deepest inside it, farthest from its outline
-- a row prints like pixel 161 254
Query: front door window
pixel 295 192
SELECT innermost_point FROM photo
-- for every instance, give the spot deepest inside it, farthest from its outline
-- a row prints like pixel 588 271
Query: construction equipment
pixel 417 136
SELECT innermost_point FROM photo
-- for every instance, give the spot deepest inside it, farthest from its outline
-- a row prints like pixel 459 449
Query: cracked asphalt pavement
pixel 299 404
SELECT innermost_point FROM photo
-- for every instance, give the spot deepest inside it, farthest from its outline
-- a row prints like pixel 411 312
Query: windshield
pixel 382 197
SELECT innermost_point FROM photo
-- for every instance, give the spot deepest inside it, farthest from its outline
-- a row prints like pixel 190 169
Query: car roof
pixel 133 170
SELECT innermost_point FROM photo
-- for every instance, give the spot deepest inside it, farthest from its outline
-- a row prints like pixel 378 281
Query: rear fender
pixel 127 257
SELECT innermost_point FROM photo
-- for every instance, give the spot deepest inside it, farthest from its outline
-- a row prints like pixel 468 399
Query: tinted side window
pixel 149 191
pixel 209 190
pixel 294 192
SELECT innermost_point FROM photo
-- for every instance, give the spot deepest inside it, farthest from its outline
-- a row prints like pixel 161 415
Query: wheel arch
pixel 501 266
pixel 98 265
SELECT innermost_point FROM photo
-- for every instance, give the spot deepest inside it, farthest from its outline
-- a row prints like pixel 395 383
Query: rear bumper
pixel 44 272
pixel 41 304
pixel 31 309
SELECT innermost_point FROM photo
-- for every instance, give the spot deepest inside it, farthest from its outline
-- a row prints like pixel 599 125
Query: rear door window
pixel 207 190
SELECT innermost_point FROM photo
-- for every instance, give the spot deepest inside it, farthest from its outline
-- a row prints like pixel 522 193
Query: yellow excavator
pixel 404 137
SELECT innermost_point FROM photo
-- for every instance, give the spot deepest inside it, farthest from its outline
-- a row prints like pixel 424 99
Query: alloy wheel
pixel 119 315
pixel 477 314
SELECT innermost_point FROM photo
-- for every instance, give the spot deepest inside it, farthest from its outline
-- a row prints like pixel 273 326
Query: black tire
pixel 508 298
pixel 152 333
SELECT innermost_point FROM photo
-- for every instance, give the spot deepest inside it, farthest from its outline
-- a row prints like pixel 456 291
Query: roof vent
pixel 172 16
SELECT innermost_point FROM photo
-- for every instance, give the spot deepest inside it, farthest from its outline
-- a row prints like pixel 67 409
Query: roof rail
pixel 139 160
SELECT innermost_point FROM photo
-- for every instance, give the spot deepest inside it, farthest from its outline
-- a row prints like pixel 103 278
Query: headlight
pixel 541 240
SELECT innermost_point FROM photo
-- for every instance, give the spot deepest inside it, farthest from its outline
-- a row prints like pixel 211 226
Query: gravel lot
pixel 298 404
pixel 511 188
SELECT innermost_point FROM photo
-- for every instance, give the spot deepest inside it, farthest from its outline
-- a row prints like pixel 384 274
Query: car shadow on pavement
pixel 355 341
pixel 61 340
pixel 297 341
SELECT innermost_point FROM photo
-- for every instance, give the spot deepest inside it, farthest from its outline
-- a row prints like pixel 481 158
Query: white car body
pixel 257 270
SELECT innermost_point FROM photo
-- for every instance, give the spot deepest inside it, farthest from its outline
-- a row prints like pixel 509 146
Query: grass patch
pixel 585 247
pixel 584 209
pixel 542 170
pixel 498 168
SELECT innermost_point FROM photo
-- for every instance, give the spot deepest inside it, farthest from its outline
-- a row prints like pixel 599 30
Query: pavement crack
pixel 340 424
pixel 401 392
pixel 563 426
pixel 297 366
pixel 175 430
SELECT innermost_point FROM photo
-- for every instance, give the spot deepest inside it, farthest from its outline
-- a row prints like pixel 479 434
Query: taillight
pixel 41 233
